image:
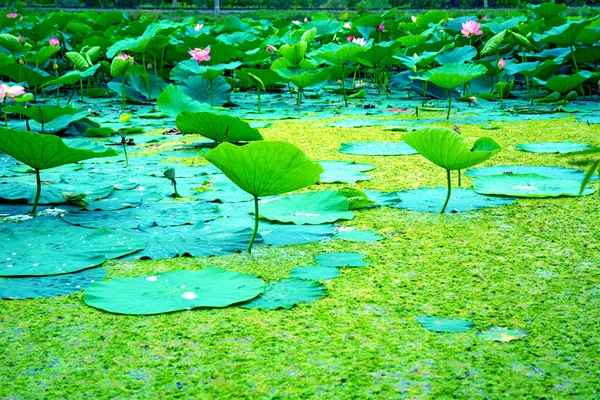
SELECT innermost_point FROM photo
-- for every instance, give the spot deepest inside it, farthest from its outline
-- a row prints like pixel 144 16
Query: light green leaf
pixel 217 127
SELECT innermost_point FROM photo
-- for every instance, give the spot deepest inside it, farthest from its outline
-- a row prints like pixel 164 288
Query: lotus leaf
pixel 565 83
pixel 553 147
pixel 341 259
pixel 502 334
pixel 344 172
pixel 315 273
pixel 173 291
pixel 461 200
pixel 528 185
pixel 49 286
pixel 311 208
pixel 217 127
pixel 358 236
pixel 286 293
pixel 377 149
pixel 444 325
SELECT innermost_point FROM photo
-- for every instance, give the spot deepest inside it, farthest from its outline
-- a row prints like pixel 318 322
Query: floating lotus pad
pixel 120 199
pixel 48 247
pixel 501 334
pixel 377 149
pixel 344 172
pixel 51 193
pixel 173 291
pixel 341 259
pixel 308 208
pixel 367 122
pixel 553 147
pixel 528 185
pixel 551 172
pixel 444 325
pixel 461 200
pixel 49 286
pixel 358 236
pixel 286 293
pixel 199 240
pixel 314 273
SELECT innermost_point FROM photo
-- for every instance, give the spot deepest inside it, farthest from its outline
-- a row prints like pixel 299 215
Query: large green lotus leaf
pixel 49 286
pixel 174 100
pixel 565 83
pixel 198 89
pixel 305 79
pixel 547 10
pixel 44 151
pixel 72 77
pixel 457 55
pixel 311 208
pixel 22 73
pixel 52 248
pixel 294 54
pixel 214 238
pixel 286 293
pixel 553 147
pixel 502 334
pixel 365 236
pixel 528 185
pixel 450 150
pixel 12 43
pixel 444 324
pixel 265 168
pixel 381 54
pixel 315 273
pixel 344 171
pixel 217 127
pixel 42 55
pixel 42 113
pixel 120 199
pixel 52 193
pixel 377 149
pixel 173 291
pixel 268 76
pixel 341 259
pixel 563 35
pixel 461 200
pixel 339 54
pixel 324 27
pixel 449 76
pixel 551 172
pixel 525 68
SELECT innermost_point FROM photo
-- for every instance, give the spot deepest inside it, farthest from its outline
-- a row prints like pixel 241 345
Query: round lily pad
pixel 528 185
pixel 553 147
pixel 549 171
pixel 315 273
pixel 341 259
pixel 49 286
pixel 309 208
pixel 344 172
pixel 444 325
pixel 502 334
pixel 286 293
pixel 377 149
pixel 173 291
pixel 461 200
pixel 358 236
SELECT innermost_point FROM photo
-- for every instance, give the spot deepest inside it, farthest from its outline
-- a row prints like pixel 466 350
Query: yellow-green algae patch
pixel 532 265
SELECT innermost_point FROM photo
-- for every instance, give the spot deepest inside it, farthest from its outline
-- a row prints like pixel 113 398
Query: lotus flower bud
pixel 501 64
pixel 55 66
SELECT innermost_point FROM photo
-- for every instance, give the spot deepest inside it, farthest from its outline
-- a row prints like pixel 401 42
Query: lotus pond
pixel 382 206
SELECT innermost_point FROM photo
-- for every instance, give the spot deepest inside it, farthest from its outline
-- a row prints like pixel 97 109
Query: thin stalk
pixel 258 90
pixel 146 75
pixel 255 225
pixel 344 87
pixel 501 91
pixel 574 60
pixel 123 92
pixel 299 98
pixel 424 87
pixel 5 113
pixel 124 143
pixel 57 87
pixel 459 177
pixel 449 190
pixel 155 69
pixel 211 92
pixel 81 90
pixel 38 191
pixel 449 103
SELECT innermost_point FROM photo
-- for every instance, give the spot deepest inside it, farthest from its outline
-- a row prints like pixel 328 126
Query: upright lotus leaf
pixel 42 152
pixel 565 83
pixel 42 114
pixel 218 127
pixel 12 43
pixel 449 150
pixel 563 35
pixel 452 75
pixel 324 27
pixel 174 100
pixel 457 55
pixel 173 291
pixel 547 10
pixel 493 44
pixel 265 168
pixel 294 53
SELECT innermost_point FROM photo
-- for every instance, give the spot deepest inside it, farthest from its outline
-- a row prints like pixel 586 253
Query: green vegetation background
pixel 532 265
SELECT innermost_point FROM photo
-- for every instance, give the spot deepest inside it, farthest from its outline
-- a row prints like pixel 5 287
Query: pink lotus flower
pixel 381 27
pixel 198 27
pixel 347 25
pixel 12 15
pixel 350 38
pixel 471 28
pixel 10 92
pixel 360 41
pixel 54 42
pixel 484 18
pixel 124 56
pixel 305 19
pixel 270 48
pixel 501 64
pixel 296 22
pixel 200 54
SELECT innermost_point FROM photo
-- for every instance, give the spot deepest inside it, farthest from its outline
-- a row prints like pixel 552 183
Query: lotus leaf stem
pixel 449 178
pixel 258 90
pixel 38 191
pixel 255 225
pixel 449 103
pixel 81 89
pixel 211 92
pixel 57 87
pixel 146 76
pixel 123 92
pixel 124 143
pixel 343 80
pixel 424 87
